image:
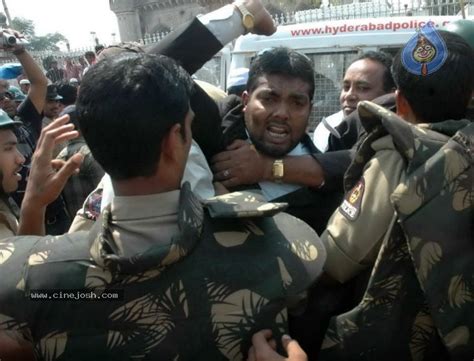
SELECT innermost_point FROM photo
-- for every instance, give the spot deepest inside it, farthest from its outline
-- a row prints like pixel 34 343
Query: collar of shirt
pixel 134 234
pixel 147 206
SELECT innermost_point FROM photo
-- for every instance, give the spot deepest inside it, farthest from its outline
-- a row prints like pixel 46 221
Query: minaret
pixel 128 19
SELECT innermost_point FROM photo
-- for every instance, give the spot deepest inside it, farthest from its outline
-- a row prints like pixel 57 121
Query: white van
pixel 332 45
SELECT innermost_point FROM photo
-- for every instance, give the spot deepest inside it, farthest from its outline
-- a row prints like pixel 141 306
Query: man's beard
pixel 2 190
pixel 276 152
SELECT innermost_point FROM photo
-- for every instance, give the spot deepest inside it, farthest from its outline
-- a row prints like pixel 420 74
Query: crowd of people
pixel 146 215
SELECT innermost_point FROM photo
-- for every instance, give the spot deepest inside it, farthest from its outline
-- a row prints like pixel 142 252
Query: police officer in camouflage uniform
pixel 194 281
pixel 408 212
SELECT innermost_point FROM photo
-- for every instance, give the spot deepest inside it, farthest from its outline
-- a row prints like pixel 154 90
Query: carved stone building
pixel 136 18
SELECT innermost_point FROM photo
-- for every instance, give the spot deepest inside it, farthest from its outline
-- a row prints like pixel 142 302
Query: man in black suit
pixel 306 177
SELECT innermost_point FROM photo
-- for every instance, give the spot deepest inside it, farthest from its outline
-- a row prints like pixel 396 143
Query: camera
pixel 11 40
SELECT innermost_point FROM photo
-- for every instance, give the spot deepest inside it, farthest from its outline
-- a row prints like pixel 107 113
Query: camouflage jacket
pixel 227 273
pixel 419 301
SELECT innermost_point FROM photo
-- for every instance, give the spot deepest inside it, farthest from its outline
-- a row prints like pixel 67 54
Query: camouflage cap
pixel 18 95
pixel 6 121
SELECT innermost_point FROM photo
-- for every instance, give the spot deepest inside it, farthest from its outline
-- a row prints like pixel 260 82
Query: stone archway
pixel 160 28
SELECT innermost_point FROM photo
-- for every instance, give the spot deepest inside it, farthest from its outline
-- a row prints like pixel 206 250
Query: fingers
pixel 260 338
pixel 53 137
pixel 263 348
pixel 55 133
pixel 221 157
pixel 64 119
pixel 229 183
pixel 238 143
pixel 58 122
pixel 229 153
pixel 264 24
pixel 293 349
pixel 251 355
pixel 221 166
pixel 222 175
pixel 57 164
pixel 220 189
pixel 62 135
pixel 68 169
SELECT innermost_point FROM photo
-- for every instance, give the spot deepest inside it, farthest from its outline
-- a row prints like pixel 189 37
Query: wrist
pixel 246 15
pixel 19 51
pixel 267 169
pixel 30 205
pixel 278 170
pixel 30 210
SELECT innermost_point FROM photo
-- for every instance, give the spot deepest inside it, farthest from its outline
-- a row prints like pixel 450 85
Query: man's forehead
pixel 7 136
pixel 364 67
pixel 278 82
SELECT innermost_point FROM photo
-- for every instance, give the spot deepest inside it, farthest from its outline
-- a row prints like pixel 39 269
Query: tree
pixel 24 26
pixel 274 10
pixel 307 5
pixel 46 42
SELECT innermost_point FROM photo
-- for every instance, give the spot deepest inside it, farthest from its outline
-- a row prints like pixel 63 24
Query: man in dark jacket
pixel 286 157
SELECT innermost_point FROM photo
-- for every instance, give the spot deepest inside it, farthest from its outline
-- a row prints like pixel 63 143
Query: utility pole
pixel 7 12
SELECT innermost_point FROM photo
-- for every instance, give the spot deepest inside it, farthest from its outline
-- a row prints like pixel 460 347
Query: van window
pixel 392 51
pixel 210 72
pixel 329 69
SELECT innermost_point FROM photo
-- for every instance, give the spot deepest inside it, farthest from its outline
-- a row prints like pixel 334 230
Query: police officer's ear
pixel 245 98
pixel 404 109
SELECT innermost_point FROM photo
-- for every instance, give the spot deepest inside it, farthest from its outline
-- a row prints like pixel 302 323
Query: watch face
pixel 248 21
pixel 278 170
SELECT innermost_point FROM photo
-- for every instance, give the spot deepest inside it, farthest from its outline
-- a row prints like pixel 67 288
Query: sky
pixel 75 19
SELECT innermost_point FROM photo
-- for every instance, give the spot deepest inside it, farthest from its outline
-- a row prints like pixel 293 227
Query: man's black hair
pixel 444 94
pixel 281 61
pixel 126 105
pixel 98 48
pixel 68 92
pixel 89 53
pixel 386 61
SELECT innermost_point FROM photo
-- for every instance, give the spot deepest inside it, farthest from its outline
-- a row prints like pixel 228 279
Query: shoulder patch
pixel 91 208
pixel 350 207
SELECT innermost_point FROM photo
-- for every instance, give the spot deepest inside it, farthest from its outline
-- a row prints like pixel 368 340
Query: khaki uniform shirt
pixel 356 229
pixel 418 302
pixel 194 280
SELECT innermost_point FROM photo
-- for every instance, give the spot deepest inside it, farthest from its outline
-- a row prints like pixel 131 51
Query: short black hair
pixel 386 61
pixel 126 105
pixel 444 94
pixel 281 61
pixel 68 92
pixel 98 48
